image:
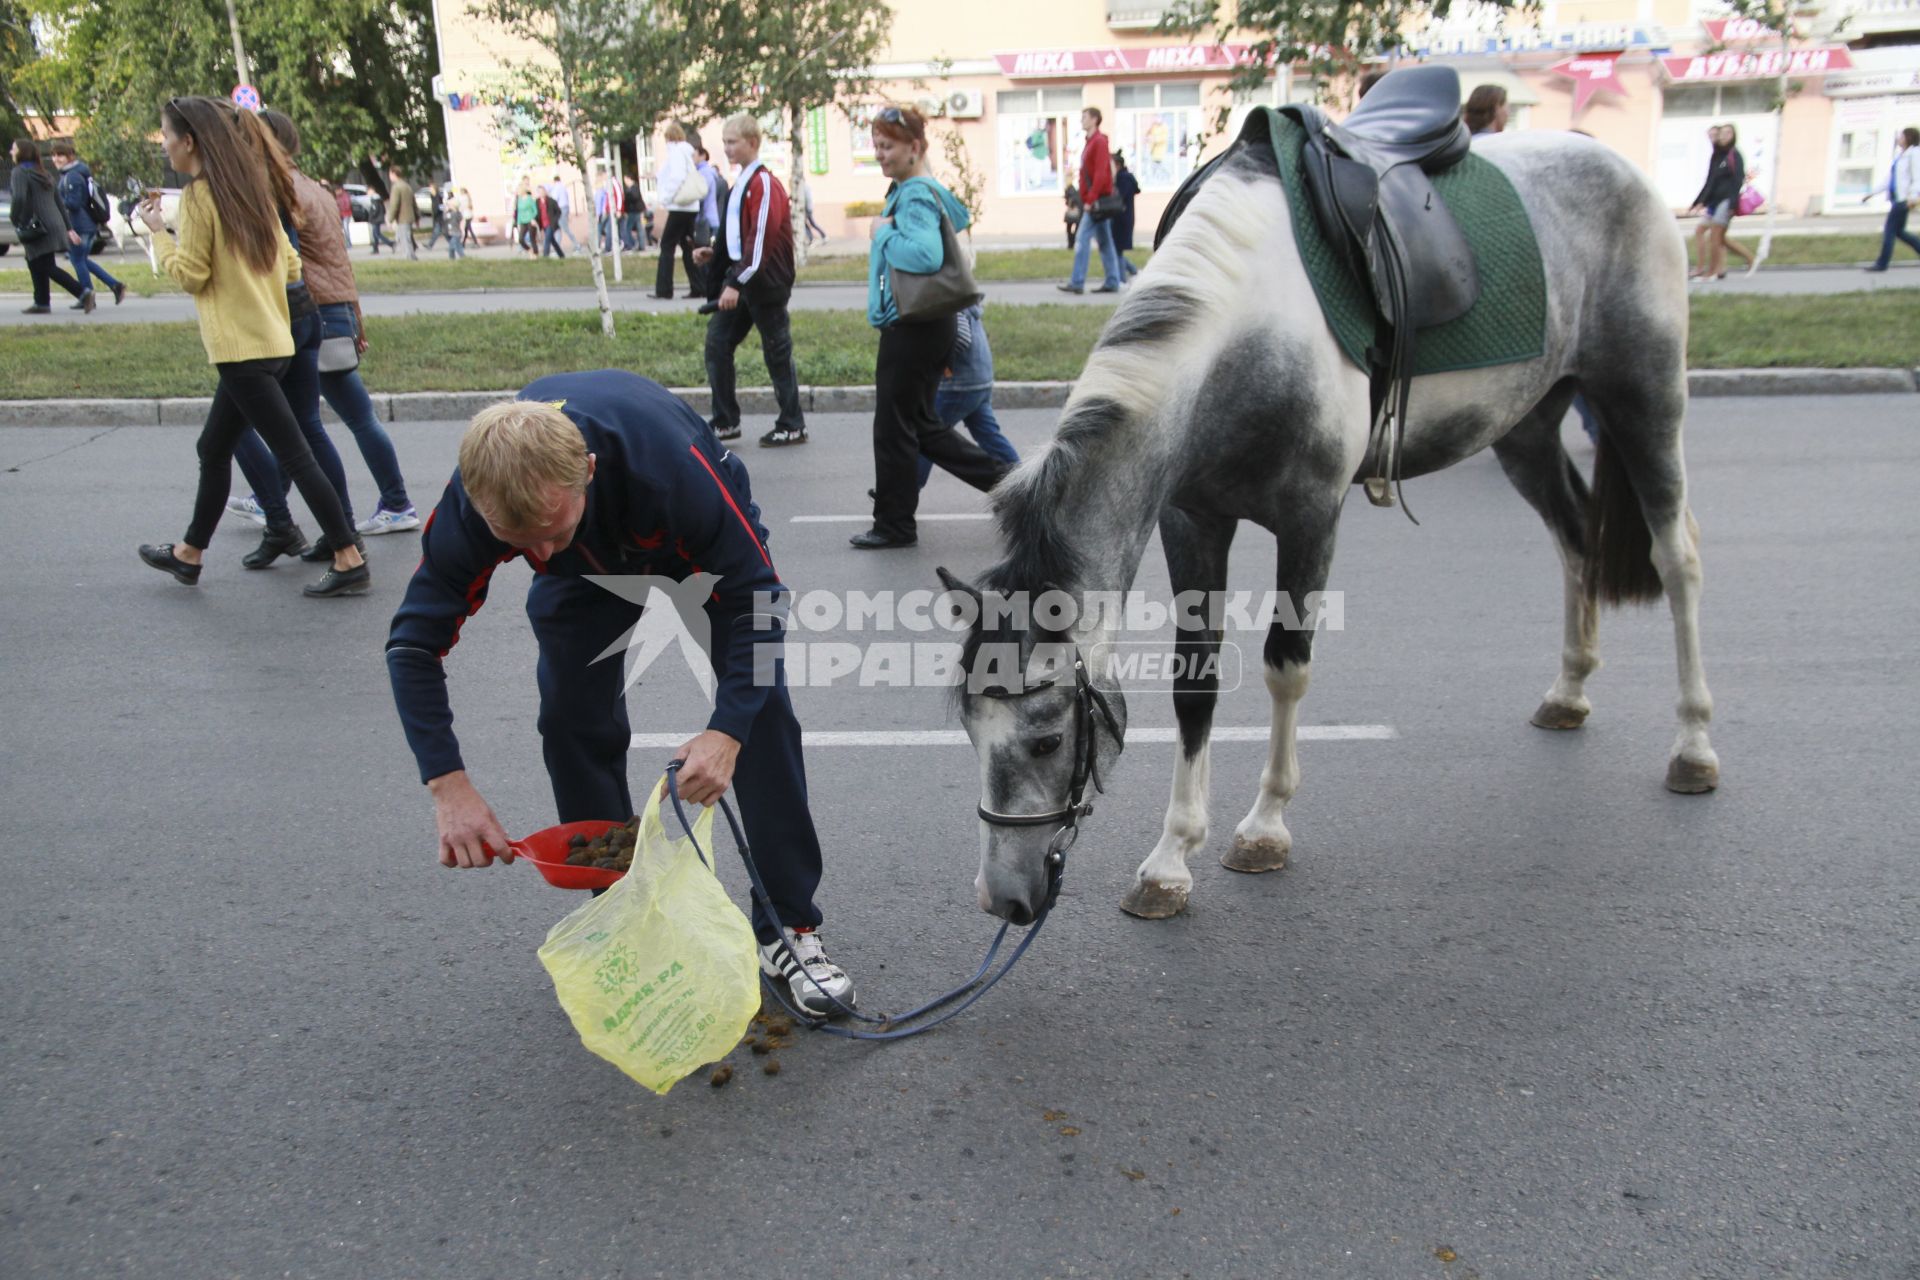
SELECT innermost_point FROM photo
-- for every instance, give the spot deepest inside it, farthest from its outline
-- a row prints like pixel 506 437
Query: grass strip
pixel 387 274
pixel 833 348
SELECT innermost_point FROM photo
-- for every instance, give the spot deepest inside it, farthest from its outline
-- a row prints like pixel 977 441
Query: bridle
pixel 1086 768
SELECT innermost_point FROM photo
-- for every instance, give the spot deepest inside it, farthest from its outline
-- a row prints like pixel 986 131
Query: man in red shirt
pixel 1096 181
pixel 754 243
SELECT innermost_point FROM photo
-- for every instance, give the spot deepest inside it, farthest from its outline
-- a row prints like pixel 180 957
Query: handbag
pixel 1107 207
pixel 1750 199
pixel 930 295
pixel 693 190
pixel 339 355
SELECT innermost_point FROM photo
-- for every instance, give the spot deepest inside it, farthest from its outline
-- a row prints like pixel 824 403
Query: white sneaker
pixel 247 509
pixel 801 960
pixel 385 521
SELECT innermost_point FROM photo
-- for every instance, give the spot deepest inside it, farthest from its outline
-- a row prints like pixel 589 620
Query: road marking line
pixel 868 519
pixel 957 738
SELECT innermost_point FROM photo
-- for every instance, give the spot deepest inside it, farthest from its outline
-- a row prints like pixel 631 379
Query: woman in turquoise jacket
pixel 913 355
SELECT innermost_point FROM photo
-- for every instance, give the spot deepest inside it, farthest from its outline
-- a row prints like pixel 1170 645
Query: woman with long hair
pixel 913 353
pixel 1486 109
pixel 676 166
pixel 232 255
pixel 41 224
pixel 1726 174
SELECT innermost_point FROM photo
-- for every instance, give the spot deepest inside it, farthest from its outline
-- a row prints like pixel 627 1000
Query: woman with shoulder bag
pixel 682 190
pixel 232 255
pixel 909 237
pixel 42 226
pixel 329 277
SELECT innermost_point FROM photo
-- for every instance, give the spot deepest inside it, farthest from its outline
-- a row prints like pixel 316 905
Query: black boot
pixel 322 550
pixel 275 543
pixel 160 556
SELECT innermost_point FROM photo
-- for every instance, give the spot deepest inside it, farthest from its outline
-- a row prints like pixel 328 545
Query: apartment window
pixel 1159 127
pixel 1039 140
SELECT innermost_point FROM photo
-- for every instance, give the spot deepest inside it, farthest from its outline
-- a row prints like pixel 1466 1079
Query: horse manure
pixel 721 1074
pixel 772 1067
pixel 760 1049
pixel 1134 1175
pixel 1053 1117
pixel 1445 1254
pixel 1069 1131
pixel 780 1027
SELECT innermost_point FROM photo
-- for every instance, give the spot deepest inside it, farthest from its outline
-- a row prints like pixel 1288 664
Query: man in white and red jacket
pixel 755 251
pixel 1096 182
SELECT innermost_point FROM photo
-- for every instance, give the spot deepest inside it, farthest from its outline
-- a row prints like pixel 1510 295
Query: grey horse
pixel 1217 394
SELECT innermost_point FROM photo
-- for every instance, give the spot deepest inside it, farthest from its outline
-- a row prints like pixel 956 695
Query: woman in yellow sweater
pixel 232 255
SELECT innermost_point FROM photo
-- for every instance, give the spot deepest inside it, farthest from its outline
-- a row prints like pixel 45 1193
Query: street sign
pixel 247 97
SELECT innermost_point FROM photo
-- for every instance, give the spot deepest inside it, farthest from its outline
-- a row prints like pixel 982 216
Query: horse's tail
pixel 1619 542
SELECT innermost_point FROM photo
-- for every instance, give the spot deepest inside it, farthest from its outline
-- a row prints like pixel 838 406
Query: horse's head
pixel 1047 731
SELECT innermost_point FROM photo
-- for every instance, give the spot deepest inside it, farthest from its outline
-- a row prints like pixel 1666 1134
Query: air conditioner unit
pixel 931 107
pixel 966 104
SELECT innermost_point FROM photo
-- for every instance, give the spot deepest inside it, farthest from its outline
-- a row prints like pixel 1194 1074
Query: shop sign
pixel 1163 59
pixel 1590 74
pixel 1742 30
pixel 1570 39
pixel 1868 84
pixel 1708 67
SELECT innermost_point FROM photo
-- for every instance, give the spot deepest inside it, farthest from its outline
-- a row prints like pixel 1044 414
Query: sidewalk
pixel 636 296
pixel 453 406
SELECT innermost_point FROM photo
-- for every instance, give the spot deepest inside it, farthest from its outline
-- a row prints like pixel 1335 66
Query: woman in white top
pixel 676 166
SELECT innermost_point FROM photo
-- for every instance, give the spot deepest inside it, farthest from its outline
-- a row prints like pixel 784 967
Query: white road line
pixel 868 519
pixel 956 738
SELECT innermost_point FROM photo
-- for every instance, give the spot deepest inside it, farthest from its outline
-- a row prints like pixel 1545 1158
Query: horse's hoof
pixel 1558 715
pixel 1254 856
pixel 1692 777
pixel 1151 901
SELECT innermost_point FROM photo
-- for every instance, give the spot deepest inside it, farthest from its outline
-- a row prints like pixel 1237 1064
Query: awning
pixel 1519 92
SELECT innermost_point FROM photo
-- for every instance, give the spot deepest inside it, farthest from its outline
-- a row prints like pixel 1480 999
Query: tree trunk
pixel 1779 141
pixel 593 238
pixel 796 184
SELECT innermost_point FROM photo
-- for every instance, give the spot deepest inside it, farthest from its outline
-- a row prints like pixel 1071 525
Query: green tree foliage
pixel 1330 36
pixel 355 75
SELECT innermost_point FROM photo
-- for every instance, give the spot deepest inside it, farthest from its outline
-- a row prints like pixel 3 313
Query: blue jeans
pixel 301 385
pixel 974 410
pixel 83 264
pixel 349 398
pixel 1091 231
pixel 1896 229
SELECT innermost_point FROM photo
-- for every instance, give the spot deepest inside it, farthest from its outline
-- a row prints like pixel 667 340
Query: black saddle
pixel 1368 180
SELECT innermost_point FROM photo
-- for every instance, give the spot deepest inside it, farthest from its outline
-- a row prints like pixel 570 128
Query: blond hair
pixel 673 132
pixel 512 456
pixel 743 126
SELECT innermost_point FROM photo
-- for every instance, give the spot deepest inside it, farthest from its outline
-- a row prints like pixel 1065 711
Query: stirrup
pixel 1379 491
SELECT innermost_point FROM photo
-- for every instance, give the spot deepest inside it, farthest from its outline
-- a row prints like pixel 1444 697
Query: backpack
pixel 97 207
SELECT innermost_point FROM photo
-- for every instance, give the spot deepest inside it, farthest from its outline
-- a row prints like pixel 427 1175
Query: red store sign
pixel 1080 63
pixel 1757 66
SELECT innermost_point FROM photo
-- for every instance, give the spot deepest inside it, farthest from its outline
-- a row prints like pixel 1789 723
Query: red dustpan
pixel 548 850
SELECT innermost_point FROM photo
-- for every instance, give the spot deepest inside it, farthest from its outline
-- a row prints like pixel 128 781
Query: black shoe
pixel 87 301
pixel 77 306
pixel 322 550
pixel 340 582
pixel 1108 288
pixel 727 433
pixel 119 294
pixel 1069 288
pixel 160 556
pixel 275 543
pixel 36 311
pixel 1873 269
pixel 781 436
pixel 874 540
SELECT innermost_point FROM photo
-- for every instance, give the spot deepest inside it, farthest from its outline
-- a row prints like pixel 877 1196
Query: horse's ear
pixel 955 586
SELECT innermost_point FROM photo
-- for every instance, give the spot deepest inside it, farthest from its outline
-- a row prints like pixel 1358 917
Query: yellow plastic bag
pixel 658 973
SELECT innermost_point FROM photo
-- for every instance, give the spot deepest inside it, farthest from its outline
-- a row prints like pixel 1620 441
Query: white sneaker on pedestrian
pixel 247 509
pixel 800 960
pixel 385 521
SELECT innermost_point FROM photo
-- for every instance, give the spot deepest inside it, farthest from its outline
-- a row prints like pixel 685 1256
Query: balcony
pixel 1860 18
pixel 1135 15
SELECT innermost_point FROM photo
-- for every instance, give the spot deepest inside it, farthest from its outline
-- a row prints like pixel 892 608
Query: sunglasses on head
pixel 892 115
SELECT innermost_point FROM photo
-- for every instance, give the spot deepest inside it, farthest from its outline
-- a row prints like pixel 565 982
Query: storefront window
pixel 1865 131
pixel 1039 140
pixel 864 160
pixel 1159 127
pixel 1687 111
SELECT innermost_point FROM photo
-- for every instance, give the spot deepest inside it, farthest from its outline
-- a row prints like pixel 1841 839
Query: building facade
pixel 1644 76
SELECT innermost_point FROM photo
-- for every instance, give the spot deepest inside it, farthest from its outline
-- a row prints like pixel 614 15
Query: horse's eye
pixel 1047 745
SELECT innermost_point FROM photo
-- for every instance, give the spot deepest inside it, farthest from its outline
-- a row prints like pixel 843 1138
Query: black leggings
pixel 250 395
pixel 678 234
pixel 907 373
pixel 46 270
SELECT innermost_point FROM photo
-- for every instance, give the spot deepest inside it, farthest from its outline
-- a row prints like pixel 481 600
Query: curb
pixel 452 406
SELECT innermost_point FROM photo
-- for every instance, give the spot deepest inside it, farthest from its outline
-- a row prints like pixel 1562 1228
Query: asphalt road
pixel 1514 1011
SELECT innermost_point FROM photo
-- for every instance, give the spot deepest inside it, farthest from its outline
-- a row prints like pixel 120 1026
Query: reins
pixel 927 1016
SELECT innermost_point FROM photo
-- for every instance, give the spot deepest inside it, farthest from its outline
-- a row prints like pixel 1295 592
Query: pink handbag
pixel 1749 201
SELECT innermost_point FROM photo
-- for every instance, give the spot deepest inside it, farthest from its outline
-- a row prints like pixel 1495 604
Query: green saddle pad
pixel 1507 324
